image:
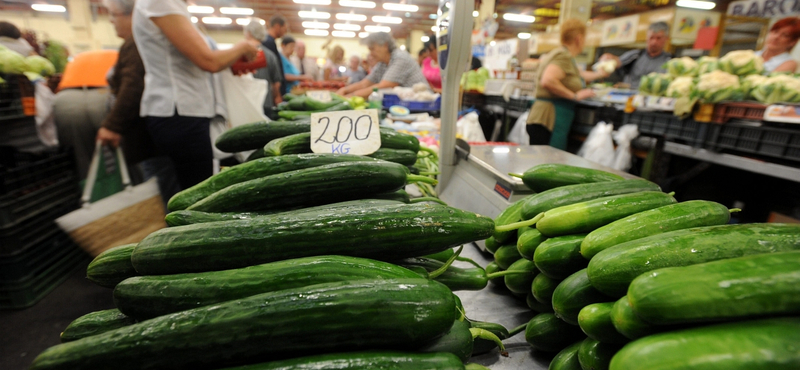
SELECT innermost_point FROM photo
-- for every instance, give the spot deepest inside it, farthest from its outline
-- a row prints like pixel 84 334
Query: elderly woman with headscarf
pixel 395 67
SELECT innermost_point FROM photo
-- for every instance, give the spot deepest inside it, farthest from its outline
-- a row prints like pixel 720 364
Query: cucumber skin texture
pixel 573 294
pixel 95 323
pixel 491 245
pixel 509 215
pixel 455 278
pixel 400 196
pixel 291 144
pixel 560 257
pixel 528 242
pixel 402 156
pixel 694 213
pixel 295 321
pixel 586 216
pixel 567 359
pixel 521 283
pixel 491 268
pixel 537 306
pixel 145 297
pixel 572 194
pixel 612 270
pixel 253 170
pixel 506 255
pixel 542 288
pixel 112 266
pixel 307 187
pixel 595 321
pixel 548 176
pixel 546 332
pixel 627 323
pixel 767 344
pixel 365 361
pixel 594 355
pixel 457 340
pixel 758 285
pixel 394 232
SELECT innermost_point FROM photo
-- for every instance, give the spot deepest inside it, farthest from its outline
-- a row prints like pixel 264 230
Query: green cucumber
pixel 747 345
pixel 255 170
pixel 528 242
pixel 392 139
pixel 442 256
pixel 295 114
pixel 509 215
pixel 481 345
pixel 537 306
pixel 506 255
pixel 254 135
pixel 455 278
pixel 521 283
pixel 595 355
pixel 400 196
pixel 493 268
pixel 292 144
pixel 612 270
pixel 295 322
pixel 402 156
pixel 491 244
pixel 457 340
pixel 586 216
pixel 628 323
pixel 112 266
pixel 256 154
pixel 546 332
pixel 543 287
pixel 573 294
pixel 567 359
pixel 695 213
pixel 560 257
pixel 552 175
pixel 595 321
pixel 392 232
pixel 524 229
pixel 95 323
pixel 145 297
pixel 364 361
pixel 572 194
pixel 758 285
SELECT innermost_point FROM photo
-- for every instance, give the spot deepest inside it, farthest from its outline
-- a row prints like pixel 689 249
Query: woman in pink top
pixel 430 66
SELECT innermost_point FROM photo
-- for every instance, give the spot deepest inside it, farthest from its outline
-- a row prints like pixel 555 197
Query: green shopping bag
pixel 109 180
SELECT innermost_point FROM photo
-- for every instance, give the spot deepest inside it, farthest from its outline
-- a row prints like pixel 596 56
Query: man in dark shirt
pixel 634 64
pixel 277 28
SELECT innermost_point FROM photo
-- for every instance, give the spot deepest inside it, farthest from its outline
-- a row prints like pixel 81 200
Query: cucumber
pixel 392 139
pixel 537 306
pixel 400 196
pixel 295 114
pixel 759 285
pixel 543 287
pixel 292 144
pixel 758 344
pixel 524 229
pixel 295 322
pixel 402 156
pixel 455 278
pixel 480 345
pixel 509 215
pixel 694 213
pixel 546 332
pixel 95 323
pixel 386 233
pixel 587 216
pixel 612 270
pixel 560 257
pixel 491 244
pixel 552 175
pixel 442 256
pixel 256 154
pixel 528 242
pixel 492 268
pixel 506 255
pixel 595 321
pixel 627 323
pixel 572 194
pixel 595 355
pixel 573 294
pixel 521 283
pixel 253 170
pixel 146 297
pixel 254 135
pixel 111 266
pixel 457 340
pixel 364 361
pixel 567 359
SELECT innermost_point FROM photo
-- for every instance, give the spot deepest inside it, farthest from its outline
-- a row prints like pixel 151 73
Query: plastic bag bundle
pixel 599 146
pixel 623 138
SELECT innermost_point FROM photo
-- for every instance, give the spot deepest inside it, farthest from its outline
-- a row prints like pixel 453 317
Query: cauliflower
pixel 681 67
pixel 778 89
pixel 40 65
pixel 654 84
pixel 750 82
pixel 608 66
pixel 742 63
pixel 717 86
pixel 707 64
pixel 680 87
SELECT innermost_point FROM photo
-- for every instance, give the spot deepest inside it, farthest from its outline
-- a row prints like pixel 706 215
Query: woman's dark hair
pixel 286 40
pixel 431 43
pixel 9 30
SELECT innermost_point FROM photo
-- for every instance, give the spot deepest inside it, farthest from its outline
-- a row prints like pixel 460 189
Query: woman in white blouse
pixel 178 99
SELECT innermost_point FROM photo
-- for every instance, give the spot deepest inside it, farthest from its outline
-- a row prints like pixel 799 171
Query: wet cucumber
pixel 455 278
pixel 627 323
pixel 509 215
pixel 543 287
pixel 112 266
pixel 595 321
pixel 528 242
pixel 567 359
pixel 573 294
pixel 595 355
pixel 548 176
pixel 521 283
pixel 572 194
pixel 457 340
pixel 365 361
pixel 292 144
pixel 560 257
pixel 95 323
pixel 546 332
pixel 402 156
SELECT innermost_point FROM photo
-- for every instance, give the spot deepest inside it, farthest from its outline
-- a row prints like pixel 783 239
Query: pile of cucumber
pixel 300 106
pixel 623 277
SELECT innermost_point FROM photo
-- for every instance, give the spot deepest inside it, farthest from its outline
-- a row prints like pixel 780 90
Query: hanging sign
pixel 345 132
pixel 764 8
pixel 619 31
pixel 688 22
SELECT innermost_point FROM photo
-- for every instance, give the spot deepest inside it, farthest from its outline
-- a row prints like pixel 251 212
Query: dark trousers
pixel 539 135
pixel 186 141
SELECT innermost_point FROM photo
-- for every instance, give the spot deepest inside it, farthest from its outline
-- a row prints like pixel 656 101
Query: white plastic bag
pixel 470 128
pixel 245 101
pixel 45 120
pixel 519 133
pixel 599 147
pixel 623 138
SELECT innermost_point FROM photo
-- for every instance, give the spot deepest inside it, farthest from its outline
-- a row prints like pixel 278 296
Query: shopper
pixel 560 85
pixel 276 29
pixel 781 39
pixel 11 38
pixel 355 72
pixel 634 64
pixel 394 67
pixel 332 71
pixel 422 55
pixel 430 66
pixel 304 64
pixel 257 31
pixel 290 73
pixel 178 87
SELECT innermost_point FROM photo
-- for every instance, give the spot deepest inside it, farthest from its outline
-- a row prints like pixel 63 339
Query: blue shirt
pixel 289 69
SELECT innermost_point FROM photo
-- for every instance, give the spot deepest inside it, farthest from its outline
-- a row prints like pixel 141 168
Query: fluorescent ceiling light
pixel 242 21
pixel 706 5
pixel 314 15
pixel 524 35
pixel 519 17
pixel 316 32
pixel 377 29
pixel 313 2
pixel 402 47
pixel 315 24
pixel 200 9
pixel 357 4
pixel 390 20
pixel 400 7
pixel 347 34
pixel 217 20
pixel 236 11
pixel 475 14
pixel 492 43
pixel 363 34
pixel 434 28
pixel 194 19
pixel 432 16
pixel 48 8
pixel 425 38
pixel 351 17
pixel 346 27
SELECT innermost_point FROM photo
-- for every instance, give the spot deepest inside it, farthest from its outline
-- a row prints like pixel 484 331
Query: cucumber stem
pixel 422 179
pixel 429 151
pixel 517 330
pixel 428 199
pixel 427 173
pixel 485 334
pixel 517 175
pixel 435 273
pixel 504 273
pixel 468 260
pixel 518 225
pixel 475 367
pixel 672 193
pixel 734 210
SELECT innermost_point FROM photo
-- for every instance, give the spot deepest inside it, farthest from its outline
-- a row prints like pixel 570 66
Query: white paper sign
pixel 319 95
pixel 620 30
pixel 764 8
pixel 345 132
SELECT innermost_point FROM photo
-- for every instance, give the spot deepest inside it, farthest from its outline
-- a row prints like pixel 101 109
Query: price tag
pixel 319 95
pixel 345 132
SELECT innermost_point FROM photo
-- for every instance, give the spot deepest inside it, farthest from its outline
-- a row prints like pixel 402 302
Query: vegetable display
pixel 684 66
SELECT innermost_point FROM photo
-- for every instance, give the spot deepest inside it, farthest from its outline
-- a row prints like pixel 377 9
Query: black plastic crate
pixel 495 100
pixel 469 99
pixel 26 264
pixel 23 235
pixel 26 293
pixel 755 139
pixel 11 93
pixel 46 197
pixel 20 172
pixel 519 105
pixel 669 126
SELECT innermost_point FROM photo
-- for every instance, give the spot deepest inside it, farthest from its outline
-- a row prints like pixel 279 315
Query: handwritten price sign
pixel 345 132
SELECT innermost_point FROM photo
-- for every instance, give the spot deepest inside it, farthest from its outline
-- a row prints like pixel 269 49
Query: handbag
pixel 122 218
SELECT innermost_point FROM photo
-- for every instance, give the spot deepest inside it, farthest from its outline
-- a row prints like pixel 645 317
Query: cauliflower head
pixel 685 66
pixel 742 63
pixel 717 86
